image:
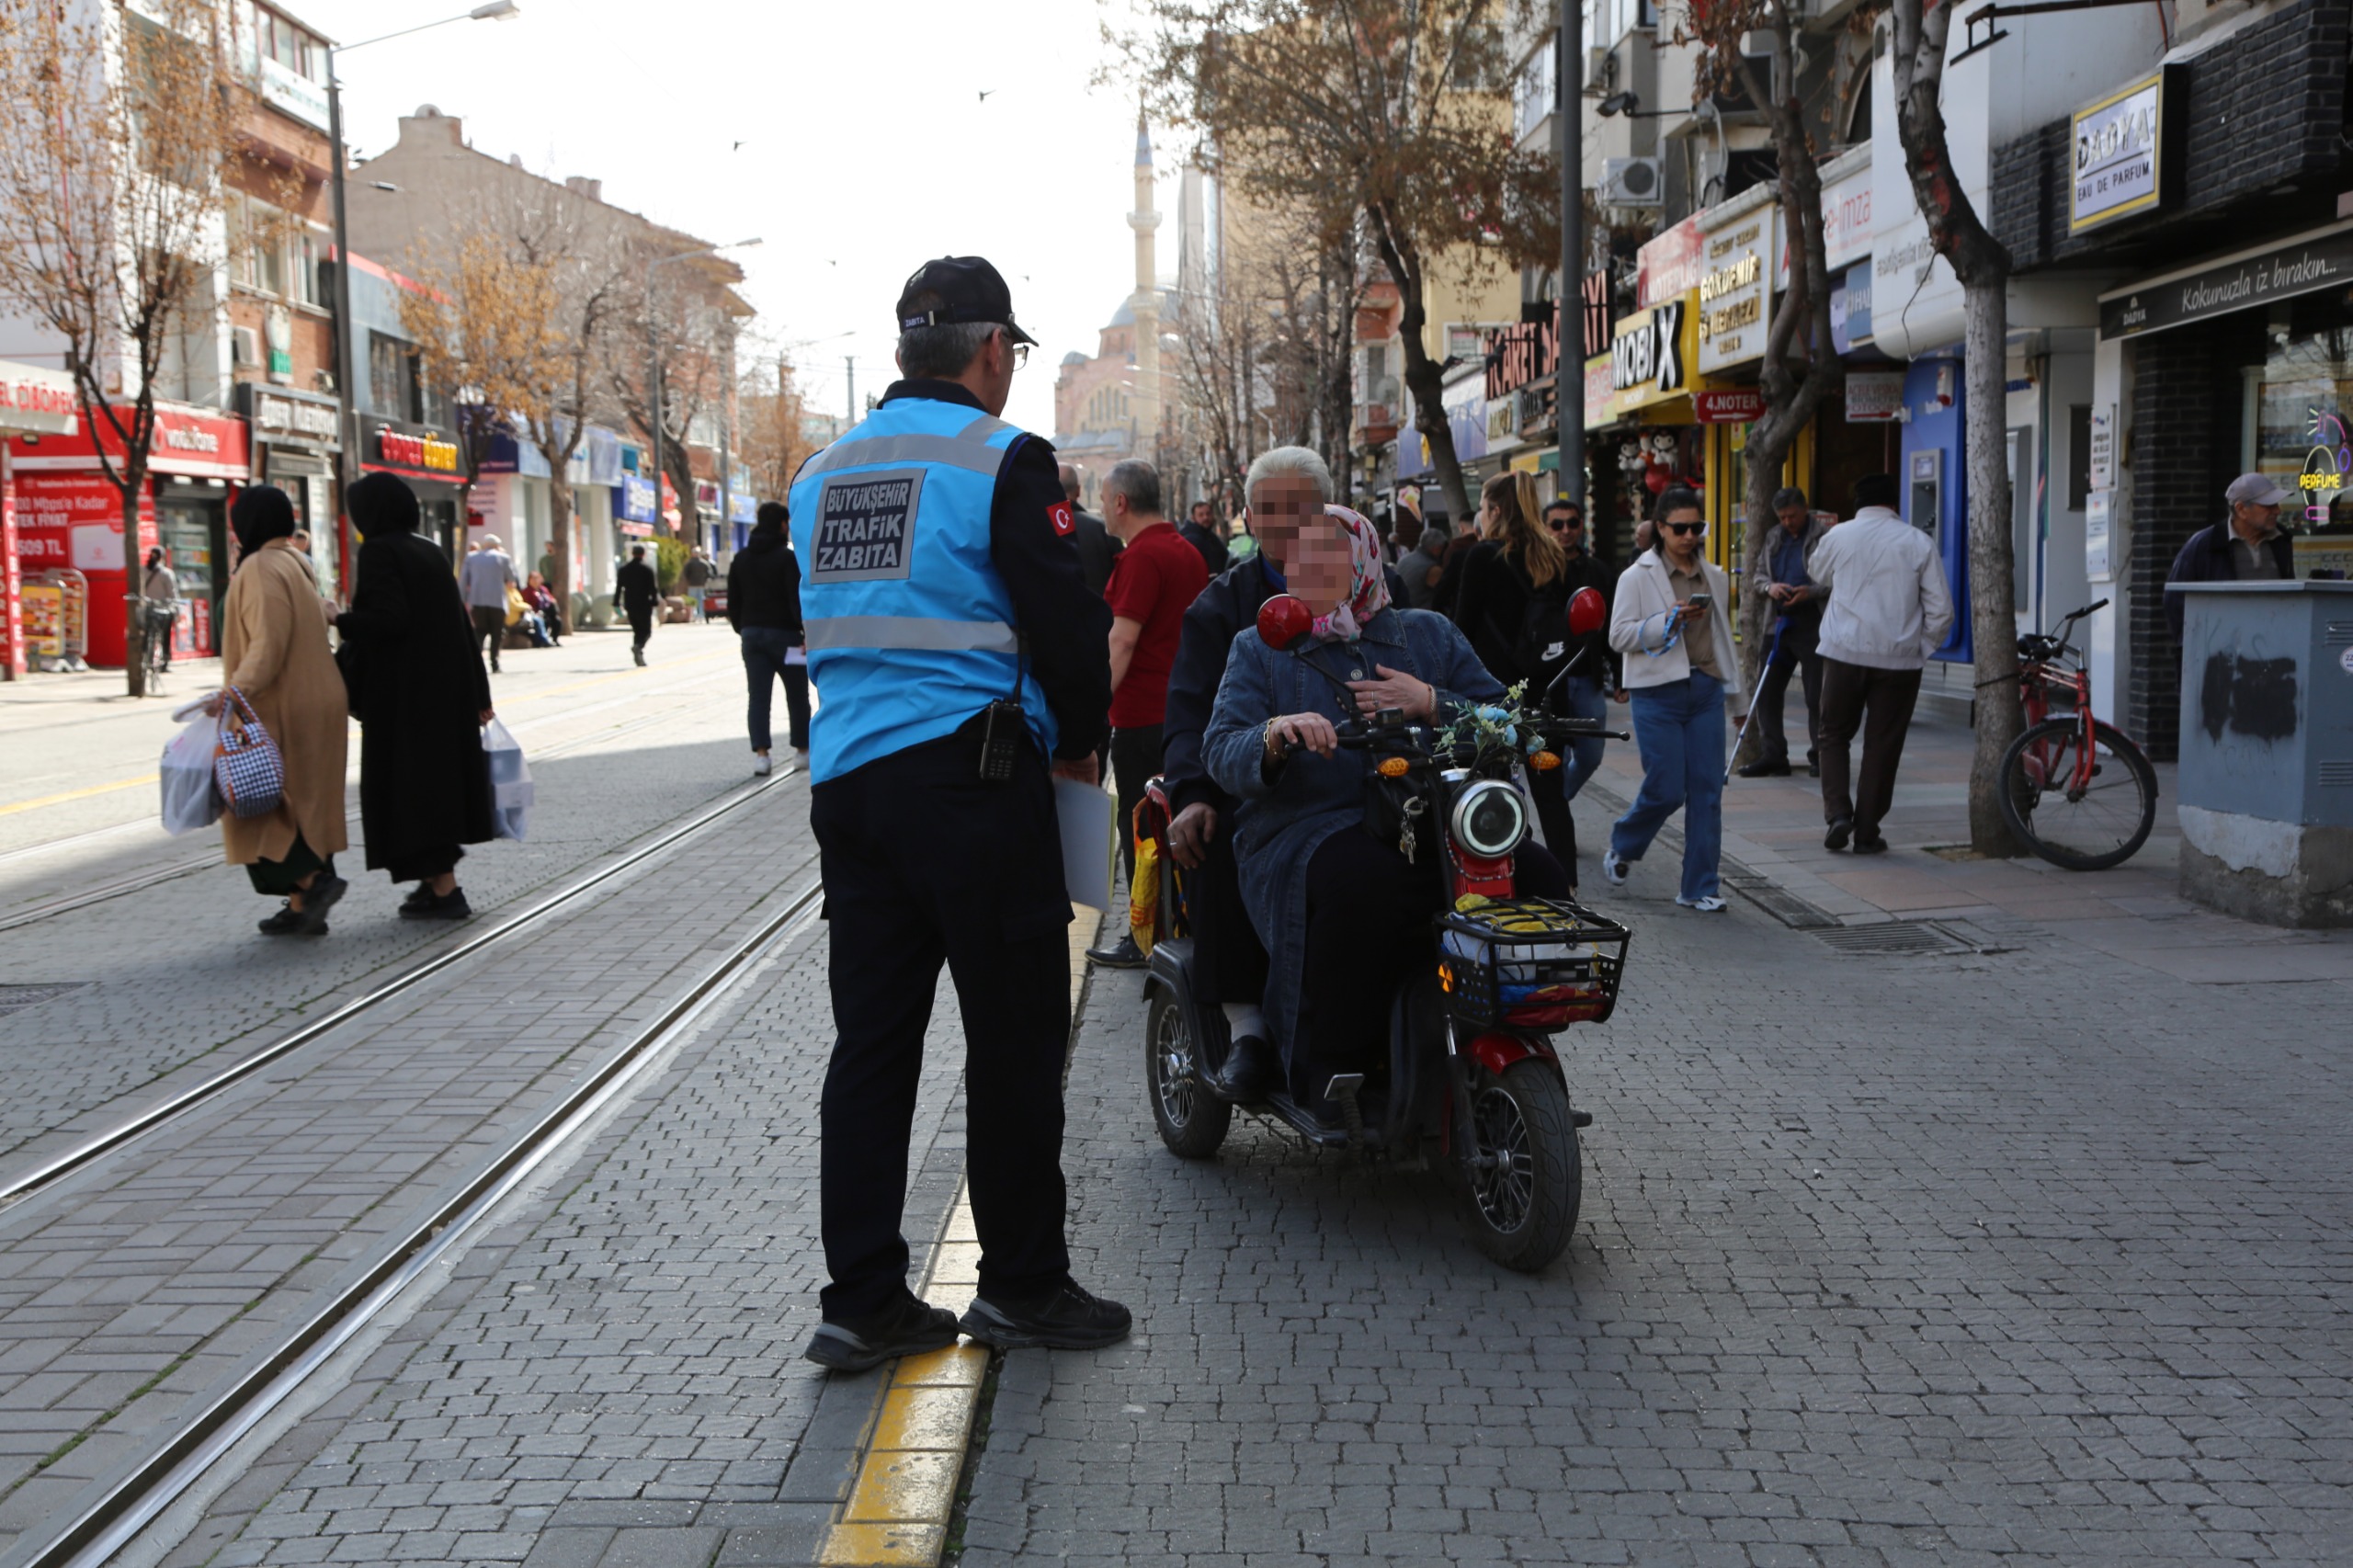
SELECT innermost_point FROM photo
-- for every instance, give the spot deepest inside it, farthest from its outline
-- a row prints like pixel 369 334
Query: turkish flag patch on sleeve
pixel 1059 515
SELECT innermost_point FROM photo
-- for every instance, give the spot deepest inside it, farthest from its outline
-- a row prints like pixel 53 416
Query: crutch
pixel 1763 672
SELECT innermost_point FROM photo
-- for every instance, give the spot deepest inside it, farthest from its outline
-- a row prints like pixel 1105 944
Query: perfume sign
pixel 2122 163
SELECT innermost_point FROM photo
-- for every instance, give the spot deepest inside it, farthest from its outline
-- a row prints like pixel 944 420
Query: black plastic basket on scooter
pixel 1529 963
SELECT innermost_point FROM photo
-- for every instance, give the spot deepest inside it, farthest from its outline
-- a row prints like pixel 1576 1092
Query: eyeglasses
pixel 1685 527
pixel 1020 355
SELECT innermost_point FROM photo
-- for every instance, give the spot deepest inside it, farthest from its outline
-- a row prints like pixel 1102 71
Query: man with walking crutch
pixel 1797 631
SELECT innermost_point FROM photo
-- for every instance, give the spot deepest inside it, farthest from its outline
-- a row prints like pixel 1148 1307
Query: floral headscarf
pixel 1367 582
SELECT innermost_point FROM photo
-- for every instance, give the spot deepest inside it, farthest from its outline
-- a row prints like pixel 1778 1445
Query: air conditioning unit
pixel 1631 182
pixel 244 346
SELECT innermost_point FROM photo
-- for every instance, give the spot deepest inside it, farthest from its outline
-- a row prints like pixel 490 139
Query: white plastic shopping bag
pixel 510 781
pixel 192 799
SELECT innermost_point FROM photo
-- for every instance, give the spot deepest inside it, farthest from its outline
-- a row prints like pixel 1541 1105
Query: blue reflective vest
pixel 910 629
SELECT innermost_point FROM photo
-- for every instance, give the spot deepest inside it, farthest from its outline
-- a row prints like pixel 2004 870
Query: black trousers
pixel 1879 702
pixel 1135 762
pixel 1795 652
pixel 1369 913
pixel 641 625
pixel 925 865
pixel 490 630
pixel 1229 961
pixel 1550 791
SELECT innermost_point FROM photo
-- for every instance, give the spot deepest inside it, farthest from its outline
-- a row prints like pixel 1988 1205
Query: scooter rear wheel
pixel 1521 1209
pixel 1192 1121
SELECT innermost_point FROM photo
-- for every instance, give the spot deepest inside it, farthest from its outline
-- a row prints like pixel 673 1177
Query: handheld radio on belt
pixel 1003 726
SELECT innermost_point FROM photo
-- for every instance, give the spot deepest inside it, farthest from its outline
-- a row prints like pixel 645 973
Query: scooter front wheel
pixel 1523 1184
pixel 1192 1121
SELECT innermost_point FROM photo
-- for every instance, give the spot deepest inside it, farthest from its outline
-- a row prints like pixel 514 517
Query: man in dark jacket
pixel 2246 547
pixel 1287 485
pixel 1201 532
pixel 1595 680
pixel 1097 548
pixel 1797 637
pixel 764 607
pixel 636 592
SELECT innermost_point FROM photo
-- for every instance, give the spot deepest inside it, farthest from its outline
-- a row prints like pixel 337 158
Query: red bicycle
pixel 2078 792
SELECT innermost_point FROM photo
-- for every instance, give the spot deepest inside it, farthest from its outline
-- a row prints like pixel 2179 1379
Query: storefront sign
pixel 1729 405
pixel 1503 423
pixel 1733 317
pixel 2103 448
pixel 38 400
pixel 2317 261
pixel 1647 355
pixel 1596 390
pixel 399 449
pixel 282 417
pixel 2121 162
pixel 1670 264
pixel 2097 565
pixel 1874 396
pixel 1523 352
pixel 1850 308
pixel 1847 219
pixel 186 443
pixel 293 92
pixel 12 601
pixel 633 500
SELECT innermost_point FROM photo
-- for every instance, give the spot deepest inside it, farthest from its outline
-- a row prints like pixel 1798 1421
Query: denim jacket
pixel 1283 821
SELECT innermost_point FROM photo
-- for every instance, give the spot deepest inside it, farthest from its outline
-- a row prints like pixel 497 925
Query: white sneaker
pixel 1613 869
pixel 760 764
pixel 1710 904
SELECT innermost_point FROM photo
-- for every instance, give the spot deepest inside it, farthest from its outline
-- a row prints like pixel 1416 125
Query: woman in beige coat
pixel 274 649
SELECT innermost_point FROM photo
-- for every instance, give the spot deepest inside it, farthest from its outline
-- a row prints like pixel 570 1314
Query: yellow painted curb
pixel 897 1512
pixel 77 794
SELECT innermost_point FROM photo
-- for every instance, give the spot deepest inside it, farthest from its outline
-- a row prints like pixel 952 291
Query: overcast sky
pixel 865 145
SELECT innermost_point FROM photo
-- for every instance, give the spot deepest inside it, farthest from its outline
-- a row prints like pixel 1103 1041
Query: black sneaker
pixel 1766 768
pixel 910 1328
pixel 1840 831
pixel 317 899
pixel 288 922
pixel 419 897
pixel 453 907
pixel 1874 844
pixel 1121 954
pixel 1066 1318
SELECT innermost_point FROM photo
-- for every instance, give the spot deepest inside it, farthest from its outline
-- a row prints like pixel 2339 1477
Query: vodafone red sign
pixel 189 444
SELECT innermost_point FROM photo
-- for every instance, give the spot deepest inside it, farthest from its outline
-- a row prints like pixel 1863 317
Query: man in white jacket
pixel 1889 608
pixel 1668 619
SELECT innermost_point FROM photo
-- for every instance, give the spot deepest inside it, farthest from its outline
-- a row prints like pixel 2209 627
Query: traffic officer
pixel 955 649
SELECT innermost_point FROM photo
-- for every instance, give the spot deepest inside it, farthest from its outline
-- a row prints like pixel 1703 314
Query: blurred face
pixel 1794 519
pixel 1278 505
pixel 1681 531
pixel 1490 520
pixel 1321 571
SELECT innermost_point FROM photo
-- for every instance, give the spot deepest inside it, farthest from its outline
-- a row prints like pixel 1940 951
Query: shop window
pixel 306 253
pixel 2299 427
pixel 391 379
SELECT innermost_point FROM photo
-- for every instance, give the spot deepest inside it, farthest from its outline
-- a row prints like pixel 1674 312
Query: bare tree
pixel 1386 119
pixel 1801 366
pixel 117 148
pixel 771 442
pixel 683 318
pixel 1983 265
pixel 586 273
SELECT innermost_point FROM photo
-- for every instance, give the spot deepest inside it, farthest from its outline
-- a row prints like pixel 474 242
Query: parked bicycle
pixel 2079 793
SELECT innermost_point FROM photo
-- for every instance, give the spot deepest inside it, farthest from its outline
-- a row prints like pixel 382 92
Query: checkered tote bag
pixel 246 763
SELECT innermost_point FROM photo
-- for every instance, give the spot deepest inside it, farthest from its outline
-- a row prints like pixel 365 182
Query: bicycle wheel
pixel 2083 827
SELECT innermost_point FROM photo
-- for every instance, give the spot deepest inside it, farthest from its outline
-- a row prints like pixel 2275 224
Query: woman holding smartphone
pixel 1669 622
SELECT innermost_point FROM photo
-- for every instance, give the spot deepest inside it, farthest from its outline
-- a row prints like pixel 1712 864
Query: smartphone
pixel 1700 601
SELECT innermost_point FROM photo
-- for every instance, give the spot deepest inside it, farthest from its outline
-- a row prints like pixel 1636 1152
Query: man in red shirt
pixel 1157 575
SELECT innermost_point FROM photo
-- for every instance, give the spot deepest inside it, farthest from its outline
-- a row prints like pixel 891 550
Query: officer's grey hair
pixel 1139 481
pixel 944 351
pixel 1289 462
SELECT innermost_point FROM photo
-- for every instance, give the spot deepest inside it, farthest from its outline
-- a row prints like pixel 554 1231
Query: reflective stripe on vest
pixel 968 448
pixel 911 631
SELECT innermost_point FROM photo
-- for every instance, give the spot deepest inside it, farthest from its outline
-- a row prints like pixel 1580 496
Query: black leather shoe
pixel 911 1328
pixel 1063 1319
pixel 1121 954
pixel 1874 844
pixel 1840 831
pixel 317 899
pixel 1813 768
pixel 1766 770
pixel 1249 1069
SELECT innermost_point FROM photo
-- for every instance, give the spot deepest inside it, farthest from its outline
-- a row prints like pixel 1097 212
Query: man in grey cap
pixel 2247 547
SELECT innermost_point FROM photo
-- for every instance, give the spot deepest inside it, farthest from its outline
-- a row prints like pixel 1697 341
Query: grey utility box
pixel 2267 750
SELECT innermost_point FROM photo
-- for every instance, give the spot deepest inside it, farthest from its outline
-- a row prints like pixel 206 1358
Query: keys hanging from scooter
pixel 1407 842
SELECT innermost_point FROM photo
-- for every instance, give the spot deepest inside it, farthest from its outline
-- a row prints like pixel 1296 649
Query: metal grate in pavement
pixel 17 998
pixel 1899 939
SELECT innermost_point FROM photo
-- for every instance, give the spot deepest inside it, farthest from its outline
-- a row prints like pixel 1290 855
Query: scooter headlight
pixel 1490 819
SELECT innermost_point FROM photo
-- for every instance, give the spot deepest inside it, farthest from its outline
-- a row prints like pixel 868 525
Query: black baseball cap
pixel 969 290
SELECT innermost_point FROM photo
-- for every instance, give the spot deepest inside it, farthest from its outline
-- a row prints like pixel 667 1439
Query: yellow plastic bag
pixel 1143 893
pixel 515 605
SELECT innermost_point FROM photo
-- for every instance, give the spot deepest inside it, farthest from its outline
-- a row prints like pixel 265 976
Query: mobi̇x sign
pixel 1648 350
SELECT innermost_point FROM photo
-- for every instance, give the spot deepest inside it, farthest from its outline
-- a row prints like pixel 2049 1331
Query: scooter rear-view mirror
pixel 1587 613
pixel 1285 621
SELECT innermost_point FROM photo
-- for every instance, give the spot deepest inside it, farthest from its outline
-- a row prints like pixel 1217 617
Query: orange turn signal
pixel 1396 767
pixel 1544 761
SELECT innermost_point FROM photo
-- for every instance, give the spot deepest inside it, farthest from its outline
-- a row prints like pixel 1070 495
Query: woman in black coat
pixel 421 696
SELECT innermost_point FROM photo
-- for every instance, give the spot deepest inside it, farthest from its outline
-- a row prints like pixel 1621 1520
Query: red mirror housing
pixel 1284 620
pixel 1587 613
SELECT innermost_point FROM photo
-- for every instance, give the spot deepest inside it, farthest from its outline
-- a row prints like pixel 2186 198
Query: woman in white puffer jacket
pixel 1679 660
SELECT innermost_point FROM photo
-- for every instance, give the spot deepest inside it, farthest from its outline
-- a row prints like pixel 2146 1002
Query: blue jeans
pixel 1680 727
pixel 765 648
pixel 1582 698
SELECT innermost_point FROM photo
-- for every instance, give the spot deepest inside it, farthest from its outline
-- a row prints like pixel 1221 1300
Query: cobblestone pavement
pixel 1987 1259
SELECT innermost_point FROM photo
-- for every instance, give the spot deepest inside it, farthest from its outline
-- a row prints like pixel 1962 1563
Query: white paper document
pixel 1088 848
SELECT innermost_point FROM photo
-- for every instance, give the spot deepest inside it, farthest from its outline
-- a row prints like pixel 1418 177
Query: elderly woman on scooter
pixel 1344 915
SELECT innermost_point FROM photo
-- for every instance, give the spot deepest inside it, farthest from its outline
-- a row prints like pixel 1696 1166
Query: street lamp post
pixel 346 456
pixel 653 377
pixel 1568 380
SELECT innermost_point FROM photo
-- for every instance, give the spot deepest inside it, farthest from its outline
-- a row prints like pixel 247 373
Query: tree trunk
pixel 1427 383
pixel 134 633
pixel 560 537
pixel 1993 618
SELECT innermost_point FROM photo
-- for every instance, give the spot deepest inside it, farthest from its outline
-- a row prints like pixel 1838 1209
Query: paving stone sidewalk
pixel 2023 1258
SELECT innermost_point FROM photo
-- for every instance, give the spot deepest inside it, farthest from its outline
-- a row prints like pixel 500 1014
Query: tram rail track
pixel 15 1188
pixel 128 1501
